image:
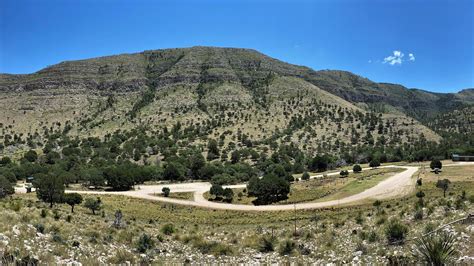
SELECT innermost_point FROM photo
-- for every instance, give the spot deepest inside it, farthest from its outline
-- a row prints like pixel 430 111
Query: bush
pixel 287 247
pixel 166 191
pixel 39 227
pixel 267 244
pixel 344 173
pixel 145 242
pixel 436 249
pixel 93 204
pixel 357 168
pixel 168 229
pixel 374 163
pixel 418 214
pixel 305 176
pixel 395 231
pixel 43 213
pixel 436 164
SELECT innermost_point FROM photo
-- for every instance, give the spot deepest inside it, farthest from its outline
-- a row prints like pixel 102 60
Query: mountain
pixel 239 96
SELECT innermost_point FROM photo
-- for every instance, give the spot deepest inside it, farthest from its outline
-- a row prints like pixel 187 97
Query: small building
pixel 462 158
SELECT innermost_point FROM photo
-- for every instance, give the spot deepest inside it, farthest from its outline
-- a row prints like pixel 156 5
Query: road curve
pixel 399 184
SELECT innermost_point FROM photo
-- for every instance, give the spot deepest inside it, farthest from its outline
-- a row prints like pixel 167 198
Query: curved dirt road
pixel 399 184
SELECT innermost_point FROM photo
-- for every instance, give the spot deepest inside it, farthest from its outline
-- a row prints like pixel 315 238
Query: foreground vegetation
pixel 376 232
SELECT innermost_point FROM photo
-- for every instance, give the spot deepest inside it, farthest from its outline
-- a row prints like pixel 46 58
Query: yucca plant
pixel 436 249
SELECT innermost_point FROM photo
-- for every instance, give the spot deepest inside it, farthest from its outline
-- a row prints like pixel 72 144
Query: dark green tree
pixel 31 156
pixel 436 164
pixel 357 168
pixel 6 188
pixel 166 191
pixel 72 199
pixel 49 188
pixel 93 204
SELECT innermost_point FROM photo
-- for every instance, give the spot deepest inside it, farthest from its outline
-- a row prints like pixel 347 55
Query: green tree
pixel 305 176
pixel 72 199
pixel 228 194
pixel 374 163
pixel 213 150
pixel 49 188
pixel 31 156
pixel 6 188
pixel 357 168
pixel 173 171
pixel 93 176
pixel 196 163
pixel 216 190
pixel 93 204
pixel 269 189
pixel 344 173
pixel 436 164
pixel 444 185
pixel 5 160
pixel 166 191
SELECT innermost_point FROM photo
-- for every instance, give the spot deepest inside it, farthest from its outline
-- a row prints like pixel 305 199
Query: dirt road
pixel 399 184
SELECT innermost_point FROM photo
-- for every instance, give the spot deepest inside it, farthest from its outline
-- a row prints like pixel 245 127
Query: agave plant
pixel 436 249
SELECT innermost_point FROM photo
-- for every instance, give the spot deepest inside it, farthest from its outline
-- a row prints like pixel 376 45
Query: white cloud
pixel 395 59
pixel 370 61
pixel 411 57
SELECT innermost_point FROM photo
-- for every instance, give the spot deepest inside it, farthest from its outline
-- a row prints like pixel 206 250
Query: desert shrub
pixel 56 237
pixel 372 236
pixel 395 231
pixel 305 176
pixel 286 247
pixel 39 227
pixel 357 168
pixel 56 214
pixel 418 215
pixel 168 229
pixel 436 249
pixel 121 257
pixel 359 219
pixel 43 213
pixel 267 244
pixel 144 243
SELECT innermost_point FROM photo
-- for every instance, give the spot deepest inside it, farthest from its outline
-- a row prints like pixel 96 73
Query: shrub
pixel 357 168
pixel 374 163
pixel 395 231
pixel 93 204
pixel 344 173
pixel 436 164
pixel 168 229
pixel 287 247
pixel 267 244
pixel 44 213
pixel 56 214
pixel 144 243
pixel 418 214
pixel 436 249
pixel 166 191
pixel 305 176
pixel 39 227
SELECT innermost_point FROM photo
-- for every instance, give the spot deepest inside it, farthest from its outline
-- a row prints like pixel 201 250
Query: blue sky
pixel 370 38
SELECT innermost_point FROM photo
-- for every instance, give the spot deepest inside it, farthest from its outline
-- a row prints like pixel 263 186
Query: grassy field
pixel 324 189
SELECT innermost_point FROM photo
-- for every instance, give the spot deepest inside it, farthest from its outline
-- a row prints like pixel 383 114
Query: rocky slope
pixel 233 91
